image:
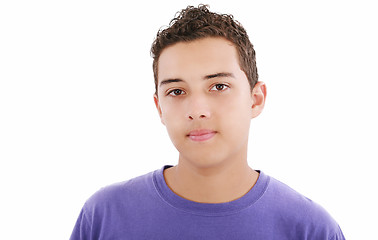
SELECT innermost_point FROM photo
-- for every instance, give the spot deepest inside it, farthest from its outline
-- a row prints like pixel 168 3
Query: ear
pixel 258 96
pixel 157 104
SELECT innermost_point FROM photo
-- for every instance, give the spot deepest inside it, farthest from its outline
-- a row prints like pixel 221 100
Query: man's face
pixel 204 100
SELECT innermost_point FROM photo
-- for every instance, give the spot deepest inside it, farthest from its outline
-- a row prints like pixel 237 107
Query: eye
pixel 175 92
pixel 219 87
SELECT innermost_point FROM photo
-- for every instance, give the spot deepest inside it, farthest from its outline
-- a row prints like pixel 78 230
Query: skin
pixel 201 86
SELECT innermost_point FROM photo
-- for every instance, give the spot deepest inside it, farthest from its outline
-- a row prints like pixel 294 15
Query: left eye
pixel 219 87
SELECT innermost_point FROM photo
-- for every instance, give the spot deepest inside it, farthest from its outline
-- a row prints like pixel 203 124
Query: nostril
pixel 197 116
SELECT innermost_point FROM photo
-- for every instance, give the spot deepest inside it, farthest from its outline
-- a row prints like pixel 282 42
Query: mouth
pixel 201 135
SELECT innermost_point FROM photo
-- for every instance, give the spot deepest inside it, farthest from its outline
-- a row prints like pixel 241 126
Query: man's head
pixel 204 96
pixel 196 23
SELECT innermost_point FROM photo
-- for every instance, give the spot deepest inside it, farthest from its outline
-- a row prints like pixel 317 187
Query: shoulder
pixel 118 193
pixel 111 205
pixel 307 216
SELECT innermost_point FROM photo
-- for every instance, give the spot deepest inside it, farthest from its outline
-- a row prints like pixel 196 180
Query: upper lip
pixel 200 132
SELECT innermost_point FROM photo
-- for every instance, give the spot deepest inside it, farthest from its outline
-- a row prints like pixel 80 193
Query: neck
pixel 216 184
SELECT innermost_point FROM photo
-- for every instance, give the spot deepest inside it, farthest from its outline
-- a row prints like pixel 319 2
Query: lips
pixel 201 135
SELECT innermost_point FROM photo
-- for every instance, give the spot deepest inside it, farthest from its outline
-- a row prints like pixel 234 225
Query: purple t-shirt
pixel 146 208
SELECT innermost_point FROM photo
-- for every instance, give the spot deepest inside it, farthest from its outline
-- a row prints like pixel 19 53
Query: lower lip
pixel 201 138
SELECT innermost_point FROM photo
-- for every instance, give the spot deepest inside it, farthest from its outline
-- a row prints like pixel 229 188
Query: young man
pixel 207 92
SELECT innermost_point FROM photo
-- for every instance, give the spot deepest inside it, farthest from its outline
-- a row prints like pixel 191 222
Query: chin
pixel 198 161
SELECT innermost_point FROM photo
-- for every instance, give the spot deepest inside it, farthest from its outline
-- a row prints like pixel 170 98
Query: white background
pixel 77 113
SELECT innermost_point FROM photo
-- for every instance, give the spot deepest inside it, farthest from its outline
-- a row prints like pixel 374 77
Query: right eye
pixel 175 92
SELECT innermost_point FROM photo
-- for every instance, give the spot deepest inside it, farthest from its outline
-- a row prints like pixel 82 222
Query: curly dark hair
pixel 195 23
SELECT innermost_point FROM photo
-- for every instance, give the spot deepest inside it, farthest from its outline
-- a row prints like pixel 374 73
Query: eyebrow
pixel 221 74
pixel 210 76
pixel 167 81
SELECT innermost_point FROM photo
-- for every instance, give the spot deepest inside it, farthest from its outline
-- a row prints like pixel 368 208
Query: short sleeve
pixel 339 235
pixel 82 228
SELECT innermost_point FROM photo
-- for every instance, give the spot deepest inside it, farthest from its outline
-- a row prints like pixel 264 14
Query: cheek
pixel 171 113
pixel 173 122
pixel 236 116
pixel 237 107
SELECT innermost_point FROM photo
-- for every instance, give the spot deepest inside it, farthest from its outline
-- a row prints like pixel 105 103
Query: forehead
pixel 198 58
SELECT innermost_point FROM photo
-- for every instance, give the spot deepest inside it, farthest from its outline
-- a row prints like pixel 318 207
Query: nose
pixel 194 116
pixel 198 108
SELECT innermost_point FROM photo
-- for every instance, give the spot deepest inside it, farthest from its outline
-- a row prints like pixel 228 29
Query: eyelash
pixel 172 91
pixel 221 84
pixel 218 84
